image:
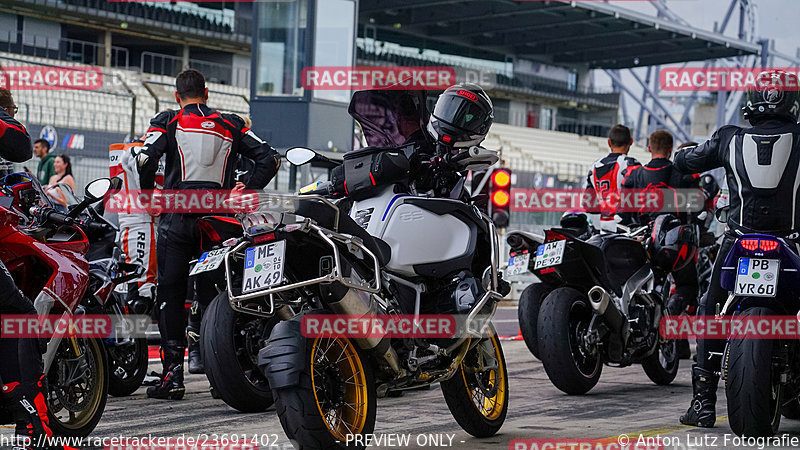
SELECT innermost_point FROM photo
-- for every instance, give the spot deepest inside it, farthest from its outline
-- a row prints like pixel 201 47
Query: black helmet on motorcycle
pixel 775 95
pixel 578 221
pixel 672 245
pixel 462 116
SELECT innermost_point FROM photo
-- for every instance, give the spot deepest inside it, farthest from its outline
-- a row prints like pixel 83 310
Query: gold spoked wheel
pixel 477 394
pixel 487 388
pixel 339 383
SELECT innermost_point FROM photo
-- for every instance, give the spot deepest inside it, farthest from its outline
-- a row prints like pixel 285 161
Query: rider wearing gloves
pixel 762 164
pixel 200 145
pixel 21 369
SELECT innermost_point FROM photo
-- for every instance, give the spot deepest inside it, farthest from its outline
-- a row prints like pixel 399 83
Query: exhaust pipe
pixel 362 304
pixel 603 306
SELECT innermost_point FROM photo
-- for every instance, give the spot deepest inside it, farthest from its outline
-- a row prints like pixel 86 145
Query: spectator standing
pixel 63 168
pixel 46 169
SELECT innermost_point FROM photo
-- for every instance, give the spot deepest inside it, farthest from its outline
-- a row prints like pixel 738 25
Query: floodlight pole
pixel 657 102
pixel 615 77
pixel 641 110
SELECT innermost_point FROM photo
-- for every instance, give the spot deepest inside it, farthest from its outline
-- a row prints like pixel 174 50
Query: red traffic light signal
pixel 501 178
pixel 500 199
pixel 500 196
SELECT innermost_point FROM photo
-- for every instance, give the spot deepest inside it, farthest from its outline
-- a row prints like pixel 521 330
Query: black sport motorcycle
pixel 602 303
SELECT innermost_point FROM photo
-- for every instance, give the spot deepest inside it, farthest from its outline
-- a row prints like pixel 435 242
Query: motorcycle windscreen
pixel 389 118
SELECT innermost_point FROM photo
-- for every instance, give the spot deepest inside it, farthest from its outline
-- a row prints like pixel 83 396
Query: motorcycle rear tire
pixel 564 314
pixel 300 409
pixel 530 301
pixel 751 388
pixel 221 359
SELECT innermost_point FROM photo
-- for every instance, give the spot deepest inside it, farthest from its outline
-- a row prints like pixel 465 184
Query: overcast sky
pixel 776 19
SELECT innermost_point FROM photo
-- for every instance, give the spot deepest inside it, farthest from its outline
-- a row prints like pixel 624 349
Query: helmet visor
pixel 462 113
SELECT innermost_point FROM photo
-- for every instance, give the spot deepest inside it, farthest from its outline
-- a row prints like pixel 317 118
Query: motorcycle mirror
pixel 300 155
pixel 98 188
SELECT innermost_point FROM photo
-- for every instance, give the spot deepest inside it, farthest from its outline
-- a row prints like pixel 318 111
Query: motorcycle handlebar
pixel 56 217
pixel 94 227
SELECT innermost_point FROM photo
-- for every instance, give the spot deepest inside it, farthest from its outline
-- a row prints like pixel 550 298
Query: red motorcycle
pixel 45 250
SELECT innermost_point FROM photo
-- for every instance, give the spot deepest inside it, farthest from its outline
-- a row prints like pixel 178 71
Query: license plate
pixel 549 254
pixel 263 266
pixel 209 261
pixel 757 277
pixel 518 264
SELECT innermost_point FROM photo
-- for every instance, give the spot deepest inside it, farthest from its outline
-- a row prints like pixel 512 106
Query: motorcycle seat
pixel 325 217
pixel 620 256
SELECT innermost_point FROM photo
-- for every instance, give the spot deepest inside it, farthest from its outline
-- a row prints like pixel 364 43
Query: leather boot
pixel 702 412
pixel 195 357
pixel 171 384
pixel 193 338
pixel 29 411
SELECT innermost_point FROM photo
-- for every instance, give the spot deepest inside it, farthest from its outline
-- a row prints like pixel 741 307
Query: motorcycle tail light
pixel 550 235
pixel 768 245
pixel 749 244
pixel 264 238
pixel 208 230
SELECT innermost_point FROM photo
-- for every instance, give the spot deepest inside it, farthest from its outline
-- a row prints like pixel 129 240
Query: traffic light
pixel 500 197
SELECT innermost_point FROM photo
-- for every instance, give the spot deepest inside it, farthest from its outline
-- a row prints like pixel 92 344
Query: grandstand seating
pixel 109 108
pixel 566 155
pixel 569 156
pixel 156 13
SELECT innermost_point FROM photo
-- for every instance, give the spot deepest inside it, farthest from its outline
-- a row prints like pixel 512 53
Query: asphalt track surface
pixel 624 402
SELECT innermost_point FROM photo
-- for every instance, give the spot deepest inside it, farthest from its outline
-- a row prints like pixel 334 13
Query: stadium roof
pixel 568 33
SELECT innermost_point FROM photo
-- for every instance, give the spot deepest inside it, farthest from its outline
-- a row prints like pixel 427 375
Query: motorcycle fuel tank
pixel 417 235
